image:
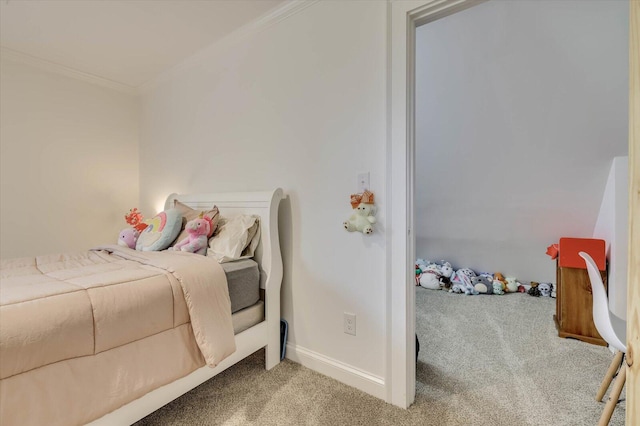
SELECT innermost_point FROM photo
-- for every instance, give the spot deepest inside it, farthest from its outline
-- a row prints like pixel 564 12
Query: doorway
pixel 405 17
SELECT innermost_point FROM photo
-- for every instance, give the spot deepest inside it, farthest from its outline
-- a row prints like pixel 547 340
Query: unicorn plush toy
pixel 197 239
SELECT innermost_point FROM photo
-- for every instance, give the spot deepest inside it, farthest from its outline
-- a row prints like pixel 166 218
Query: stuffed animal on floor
pixel 446 271
pixel 420 264
pixel 512 285
pixel 418 274
pixel 461 282
pixel 545 289
pixel 128 238
pixel 362 219
pixel 501 279
pixel 430 277
pixel 534 290
pixel 483 284
pixel 497 287
pixel 197 240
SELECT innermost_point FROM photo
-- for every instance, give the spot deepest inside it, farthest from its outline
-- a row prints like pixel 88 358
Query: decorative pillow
pixel 237 238
pixel 253 236
pixel 189 214
pixel 161 232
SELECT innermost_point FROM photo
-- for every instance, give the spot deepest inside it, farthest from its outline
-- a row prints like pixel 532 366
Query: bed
pixel 154 326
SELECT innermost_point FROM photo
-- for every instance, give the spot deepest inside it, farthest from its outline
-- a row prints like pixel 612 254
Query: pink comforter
pixel 60 307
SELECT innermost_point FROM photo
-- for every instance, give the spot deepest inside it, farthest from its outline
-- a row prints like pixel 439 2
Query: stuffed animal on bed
pixel 134 218
pixel 128 238
pixel 197 239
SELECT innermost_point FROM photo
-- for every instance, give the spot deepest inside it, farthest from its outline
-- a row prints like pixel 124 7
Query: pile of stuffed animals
pixel 442 276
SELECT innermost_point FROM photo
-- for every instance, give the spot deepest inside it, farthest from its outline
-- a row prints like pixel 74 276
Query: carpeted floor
pixel 484 360
pixel 497 360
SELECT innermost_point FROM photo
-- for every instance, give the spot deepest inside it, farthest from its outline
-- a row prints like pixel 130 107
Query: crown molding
pixel 286 10
pixel 278 14
pixel 43 64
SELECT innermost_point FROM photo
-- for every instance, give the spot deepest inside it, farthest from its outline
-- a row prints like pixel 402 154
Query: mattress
pixel 243 280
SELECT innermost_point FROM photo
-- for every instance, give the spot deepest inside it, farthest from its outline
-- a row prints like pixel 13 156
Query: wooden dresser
pixel 574 305
pixel 574 300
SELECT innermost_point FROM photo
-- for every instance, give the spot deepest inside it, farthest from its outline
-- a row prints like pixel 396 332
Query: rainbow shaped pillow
pixel 162 231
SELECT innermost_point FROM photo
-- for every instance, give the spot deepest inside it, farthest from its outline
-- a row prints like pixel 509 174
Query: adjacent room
pixel 521 139
pixel 201 203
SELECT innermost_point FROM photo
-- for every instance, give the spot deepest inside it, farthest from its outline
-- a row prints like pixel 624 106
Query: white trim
pixel 347 374
pixel 406 15
pixel 56 68
pixel 287 9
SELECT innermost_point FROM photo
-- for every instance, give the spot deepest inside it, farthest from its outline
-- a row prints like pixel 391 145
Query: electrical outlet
pixel 363 182
pixel 350 323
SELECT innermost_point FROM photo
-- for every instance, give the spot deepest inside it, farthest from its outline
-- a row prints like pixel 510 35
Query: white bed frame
pixel 265 334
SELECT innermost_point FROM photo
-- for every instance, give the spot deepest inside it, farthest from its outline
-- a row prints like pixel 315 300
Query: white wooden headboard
pixel 264 204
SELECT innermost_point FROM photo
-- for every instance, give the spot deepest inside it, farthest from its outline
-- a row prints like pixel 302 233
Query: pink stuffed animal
pixel 198 230
pixel 128 238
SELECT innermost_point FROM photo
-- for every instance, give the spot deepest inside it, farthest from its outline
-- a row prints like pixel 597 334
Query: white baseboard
pixel 340 371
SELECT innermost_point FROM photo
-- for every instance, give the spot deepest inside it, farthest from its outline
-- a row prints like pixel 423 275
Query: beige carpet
pixel 484 360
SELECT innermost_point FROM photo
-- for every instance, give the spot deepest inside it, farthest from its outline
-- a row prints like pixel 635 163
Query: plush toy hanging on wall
pixel 363 216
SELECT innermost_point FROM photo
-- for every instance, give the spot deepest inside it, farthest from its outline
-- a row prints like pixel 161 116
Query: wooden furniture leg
pixel 611 372
pixel 613 397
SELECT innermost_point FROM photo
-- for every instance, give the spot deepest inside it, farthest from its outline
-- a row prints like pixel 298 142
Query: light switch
pixel 363 182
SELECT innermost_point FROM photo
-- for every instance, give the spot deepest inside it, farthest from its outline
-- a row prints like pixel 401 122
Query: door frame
pixel 405 17
pixel 633 274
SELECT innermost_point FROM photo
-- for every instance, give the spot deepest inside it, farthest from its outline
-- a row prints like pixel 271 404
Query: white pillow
pixel 236 238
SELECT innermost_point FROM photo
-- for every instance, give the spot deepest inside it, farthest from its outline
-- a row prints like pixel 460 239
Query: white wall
pixel 69 161
pixel 612 226
pixel 300 105
pixel 521 107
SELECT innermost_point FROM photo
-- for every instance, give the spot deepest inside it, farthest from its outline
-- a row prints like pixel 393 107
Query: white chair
pixel 614 331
